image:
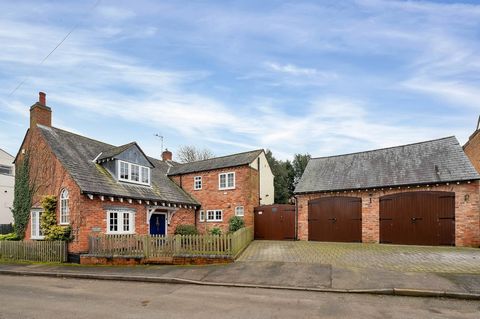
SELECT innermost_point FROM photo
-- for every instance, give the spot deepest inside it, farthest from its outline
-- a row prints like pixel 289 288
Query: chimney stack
pixel 166 155
pixel 40 113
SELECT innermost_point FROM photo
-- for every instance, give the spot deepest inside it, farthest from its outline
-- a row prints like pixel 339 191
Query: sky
pixel 317 77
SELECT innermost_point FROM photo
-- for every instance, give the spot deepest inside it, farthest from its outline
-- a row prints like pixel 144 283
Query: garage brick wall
pixel 467 211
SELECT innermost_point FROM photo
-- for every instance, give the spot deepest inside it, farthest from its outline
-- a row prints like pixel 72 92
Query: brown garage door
pixel 418 218
pixel 335 219
pixel 275 222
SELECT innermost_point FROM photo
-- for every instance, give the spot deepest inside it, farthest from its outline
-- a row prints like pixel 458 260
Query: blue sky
pixel 314 77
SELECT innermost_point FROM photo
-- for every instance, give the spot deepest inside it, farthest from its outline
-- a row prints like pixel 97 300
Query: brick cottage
pixel 105 189
pixel 425 193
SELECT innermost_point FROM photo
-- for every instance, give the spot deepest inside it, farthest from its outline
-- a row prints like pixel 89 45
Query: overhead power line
pixel 57 46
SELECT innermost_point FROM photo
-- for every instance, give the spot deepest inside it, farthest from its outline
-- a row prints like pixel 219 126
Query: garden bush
pixel 186 230
pixel 11 236
pixel 235 223
pixel 216 231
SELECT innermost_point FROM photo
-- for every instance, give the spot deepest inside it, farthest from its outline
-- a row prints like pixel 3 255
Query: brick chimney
pixel 166 155
pixel 40 113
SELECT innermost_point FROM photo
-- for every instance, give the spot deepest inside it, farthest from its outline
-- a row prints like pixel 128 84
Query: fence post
pixel 177 244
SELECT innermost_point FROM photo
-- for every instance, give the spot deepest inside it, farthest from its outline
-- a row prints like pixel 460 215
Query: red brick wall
pixel 50 178
pixel 93 215
pixel 467 211
pixel 246 194
pixel 48 175
pixel 472 149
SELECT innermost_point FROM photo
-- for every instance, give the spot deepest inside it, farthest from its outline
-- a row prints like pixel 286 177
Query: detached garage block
pixel 424 194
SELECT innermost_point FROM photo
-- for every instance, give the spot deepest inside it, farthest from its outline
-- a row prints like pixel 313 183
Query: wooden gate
pixel 418 218
pixel 275 222
pixel 337 219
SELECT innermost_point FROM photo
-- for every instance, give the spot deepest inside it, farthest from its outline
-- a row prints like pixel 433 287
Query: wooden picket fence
pixel 43 251
pixel 151 246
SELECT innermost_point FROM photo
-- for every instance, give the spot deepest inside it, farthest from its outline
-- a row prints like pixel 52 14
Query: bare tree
pixel 190 153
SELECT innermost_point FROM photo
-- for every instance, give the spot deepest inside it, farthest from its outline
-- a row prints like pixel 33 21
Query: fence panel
pixel 42 251
pixel 150 246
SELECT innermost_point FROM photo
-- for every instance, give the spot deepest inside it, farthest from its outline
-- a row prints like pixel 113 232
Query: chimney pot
pixel 166 155
pixel 42 98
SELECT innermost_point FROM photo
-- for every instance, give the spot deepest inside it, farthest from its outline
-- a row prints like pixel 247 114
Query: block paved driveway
pixel 353 255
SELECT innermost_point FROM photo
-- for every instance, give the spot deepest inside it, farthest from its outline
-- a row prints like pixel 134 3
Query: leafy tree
pixel 299 163
pixel 22 201
pixel 286 175
pixel 190 153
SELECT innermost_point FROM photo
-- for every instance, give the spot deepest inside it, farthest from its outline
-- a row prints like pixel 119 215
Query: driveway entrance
pixel 353 255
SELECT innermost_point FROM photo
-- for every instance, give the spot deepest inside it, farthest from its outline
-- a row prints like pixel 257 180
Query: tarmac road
pixel 39 297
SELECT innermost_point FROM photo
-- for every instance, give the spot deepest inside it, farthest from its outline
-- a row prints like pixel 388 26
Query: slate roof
pixel 76 153
pixel 435 161
pixel 233 160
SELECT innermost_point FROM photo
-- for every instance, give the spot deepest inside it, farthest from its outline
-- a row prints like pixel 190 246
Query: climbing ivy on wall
pixel 22 201
pixel 48 222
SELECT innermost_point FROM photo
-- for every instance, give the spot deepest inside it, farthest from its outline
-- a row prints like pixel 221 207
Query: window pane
pixel 145 174
pixel 135 173
pixel 198 182
pixel 126 221
pixel 223 182
pixel 39 226
pixel 210 215
pixel 239 211
pixel 230 180
pixel 202 215
pixel 113 221
pixel 218 215
pixel 6 170
pixel 123 170
pixel 34 224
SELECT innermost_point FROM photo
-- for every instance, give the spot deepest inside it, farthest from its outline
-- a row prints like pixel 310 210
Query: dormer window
pixel 133 173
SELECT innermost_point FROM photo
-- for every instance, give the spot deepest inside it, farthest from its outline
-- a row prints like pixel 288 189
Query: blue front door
pixel 157 224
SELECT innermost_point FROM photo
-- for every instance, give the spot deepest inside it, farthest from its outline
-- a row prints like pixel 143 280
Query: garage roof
pixel 435 161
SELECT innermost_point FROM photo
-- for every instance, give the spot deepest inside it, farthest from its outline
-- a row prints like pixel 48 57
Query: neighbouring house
pixel 106 189
pixel 226 186
pixel 472 148
pixel 425 193
pixel 7 181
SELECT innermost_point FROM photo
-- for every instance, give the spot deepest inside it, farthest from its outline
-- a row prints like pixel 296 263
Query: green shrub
pixel 11 236
pixel 48 222
pixel 216 231
pixel 235 223
pixel 186 230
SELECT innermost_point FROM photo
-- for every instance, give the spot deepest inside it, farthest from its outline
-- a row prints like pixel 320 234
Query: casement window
pixel 6 170
pixel 133 173
pixel 202 216
pixel 64 209
pixel 145 172
pixel 239 211
pixel 214 215
pixel 120 222
pixel 197 182
pixel 36 229
pixel 226 180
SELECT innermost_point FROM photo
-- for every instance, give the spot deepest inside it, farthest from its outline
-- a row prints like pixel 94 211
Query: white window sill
pixel 215 221
pixel 64 224
pixel 226 189
pixel 120 233
pixel 38 238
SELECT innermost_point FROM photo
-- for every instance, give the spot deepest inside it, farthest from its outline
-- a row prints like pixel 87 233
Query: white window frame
pixel 64 207
pixel 237 208
pixel 215 219
pixel 201 216
pixel 140 173
pixel 226 181
pixel 199 180
pixel 120 221
pixel 35 224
